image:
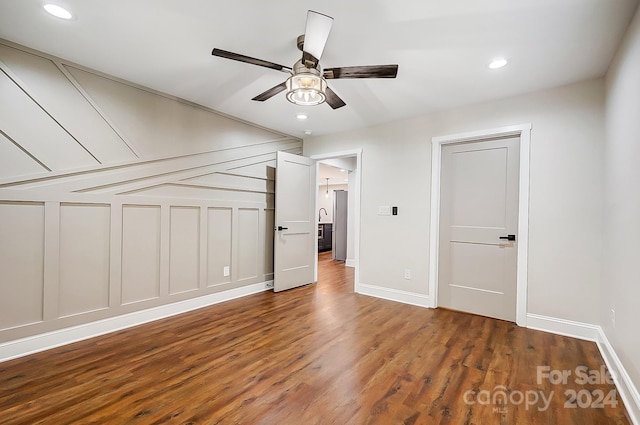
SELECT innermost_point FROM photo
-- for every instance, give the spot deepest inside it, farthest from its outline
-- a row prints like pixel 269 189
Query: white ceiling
pixel 442 48
pixel 334 174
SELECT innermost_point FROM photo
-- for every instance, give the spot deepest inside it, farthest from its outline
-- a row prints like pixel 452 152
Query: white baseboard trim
pixel 397 295
pixel 564 327
pixel 350 262
pixel 33 344
pixel 626 388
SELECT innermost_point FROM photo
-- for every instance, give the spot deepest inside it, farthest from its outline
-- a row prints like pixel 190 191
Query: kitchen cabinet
pixel 325 233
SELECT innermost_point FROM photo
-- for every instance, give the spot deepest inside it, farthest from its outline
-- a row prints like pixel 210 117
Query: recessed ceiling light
pixel 308 132
pixel 343 170
pixel 302 116
pixel 497 63
pixel 58 11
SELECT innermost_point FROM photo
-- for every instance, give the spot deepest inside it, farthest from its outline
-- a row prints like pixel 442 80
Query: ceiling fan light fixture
pixel 307 85
pixel 306 88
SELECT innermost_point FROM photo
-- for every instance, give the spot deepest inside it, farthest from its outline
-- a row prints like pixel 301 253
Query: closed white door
pixel 478 223
pixel 296 228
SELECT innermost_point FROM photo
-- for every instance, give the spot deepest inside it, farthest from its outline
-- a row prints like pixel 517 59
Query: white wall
pixel 621 276
pixel 115 199
pixel 566 194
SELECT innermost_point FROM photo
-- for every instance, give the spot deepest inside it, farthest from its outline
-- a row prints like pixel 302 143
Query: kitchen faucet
pixel 320 213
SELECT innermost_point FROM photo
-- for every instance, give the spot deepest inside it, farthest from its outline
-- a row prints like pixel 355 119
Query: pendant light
pixel 326 195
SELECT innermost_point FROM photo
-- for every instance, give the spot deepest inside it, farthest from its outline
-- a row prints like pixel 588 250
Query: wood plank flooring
pixel 319 354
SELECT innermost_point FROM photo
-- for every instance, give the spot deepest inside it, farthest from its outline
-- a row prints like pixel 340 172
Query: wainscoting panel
pixel 184 248
pixel 116 199
pixel 21 263
pixel 248 243
pixel 84 258
pixel 140 253
pixel 269 232
pixel 219 245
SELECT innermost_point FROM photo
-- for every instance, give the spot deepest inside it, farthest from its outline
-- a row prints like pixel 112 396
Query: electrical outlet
pixel 407 273
pixel 613 318
pixel 225 271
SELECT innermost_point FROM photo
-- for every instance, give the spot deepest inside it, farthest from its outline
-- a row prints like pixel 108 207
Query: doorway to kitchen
pixel 338 208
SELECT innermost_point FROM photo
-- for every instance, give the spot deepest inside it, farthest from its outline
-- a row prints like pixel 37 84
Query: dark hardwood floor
pixel 319 354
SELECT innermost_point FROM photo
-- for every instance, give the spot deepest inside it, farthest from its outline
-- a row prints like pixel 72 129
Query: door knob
pixel 280 228
pixel 509 237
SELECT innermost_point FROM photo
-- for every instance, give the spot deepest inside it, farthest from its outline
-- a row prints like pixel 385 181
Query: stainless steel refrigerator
pixel 339 243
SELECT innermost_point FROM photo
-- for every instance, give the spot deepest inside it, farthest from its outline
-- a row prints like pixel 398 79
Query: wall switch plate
pixel 225 271
pixel 384 210
pixel 407 273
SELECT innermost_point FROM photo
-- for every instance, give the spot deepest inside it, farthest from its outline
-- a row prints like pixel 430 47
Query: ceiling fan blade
pixel 372 71
pixel 242 58
pixel 270 93
pixel 333 99
pixel 316 34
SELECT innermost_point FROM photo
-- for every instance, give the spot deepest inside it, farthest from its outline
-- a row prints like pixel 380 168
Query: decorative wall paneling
pixel 22 243
pixel 114 120
pixel 143 174
pixel 219 247
pixel 16 160
pixel 73 261
pixel 140 264
pixel 116 199
pixel 184 128
pixel 16 103
pixel 84 238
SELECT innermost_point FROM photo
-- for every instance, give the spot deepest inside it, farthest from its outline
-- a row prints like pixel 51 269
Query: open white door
pixel 296 228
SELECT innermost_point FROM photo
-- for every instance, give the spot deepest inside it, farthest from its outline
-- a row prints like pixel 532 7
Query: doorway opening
pixel 338 207
pixel 523 134
pixel 478 227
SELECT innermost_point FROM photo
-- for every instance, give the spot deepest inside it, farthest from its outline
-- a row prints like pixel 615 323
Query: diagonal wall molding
pixel 202 163
pixel 179 205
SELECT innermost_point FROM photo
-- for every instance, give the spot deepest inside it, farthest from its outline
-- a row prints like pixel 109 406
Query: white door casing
pixel 523 132
pixel 355 212
pixel 295 238
pixel 478 210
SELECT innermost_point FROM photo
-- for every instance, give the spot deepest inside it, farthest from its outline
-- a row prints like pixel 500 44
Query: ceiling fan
pixel 307 82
